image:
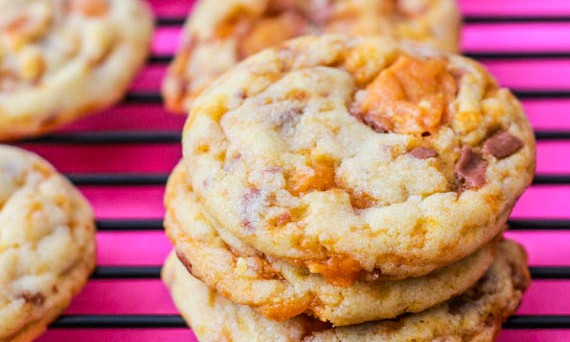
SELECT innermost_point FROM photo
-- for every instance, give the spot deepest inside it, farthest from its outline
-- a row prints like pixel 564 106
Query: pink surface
pixel 126 117
pixel 540 74
pixel 130 297
pixel 476 37
pixel 544 202
pixel 515 7
pixel 548 114
pixel 146 202
pixel 173 335
pixel 123 335
pixel 516 37
pixel 125 202
pixel 553 157
pixel 110 158
pixel 171 8
pixel 151 248
pixel 145 248
pixel 136 202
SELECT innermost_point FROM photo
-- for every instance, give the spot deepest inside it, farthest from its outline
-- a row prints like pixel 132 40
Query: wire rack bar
pixel 481 55
pixel 153 272
pixel 468 19
pixel 151 179
pixel 176 321
pixel 156 224
pixel 130 225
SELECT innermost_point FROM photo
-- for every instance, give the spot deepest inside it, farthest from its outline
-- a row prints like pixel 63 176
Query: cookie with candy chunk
pixel 63 59
pixel 47 244
pixel 476 315
pixel 218 34
pixel 359 153
pixel 280 290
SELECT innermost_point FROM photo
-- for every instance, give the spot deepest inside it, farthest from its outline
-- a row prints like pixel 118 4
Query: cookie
pixel 47 244
pixel 359 153
pixel 241 28
pixel 474 316
pixel 279 290
pixel 61 60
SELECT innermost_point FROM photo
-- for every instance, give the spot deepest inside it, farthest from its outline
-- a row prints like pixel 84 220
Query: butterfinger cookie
pixel 231 30
pixel 476 315
pixel 47 244
pixel 279 290
pixel 62 59
pixel 359 154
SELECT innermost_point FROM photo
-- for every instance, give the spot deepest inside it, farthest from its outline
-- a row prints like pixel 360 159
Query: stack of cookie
pixel 349 189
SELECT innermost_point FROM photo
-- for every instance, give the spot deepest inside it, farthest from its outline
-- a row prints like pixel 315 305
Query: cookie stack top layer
pixel 47 244
pixel 61 59
pixel 240 28
pixel 359 154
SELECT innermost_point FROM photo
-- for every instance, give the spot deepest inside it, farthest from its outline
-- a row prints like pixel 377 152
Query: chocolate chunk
pixel 423 153
pixel 471 167
pixel 502 145
pixel 36 299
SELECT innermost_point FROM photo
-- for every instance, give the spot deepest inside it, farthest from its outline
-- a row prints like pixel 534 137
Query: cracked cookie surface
pixel 47 244
pixel 476 315
pixel 241 28
pixel 63 59
pixel 359 153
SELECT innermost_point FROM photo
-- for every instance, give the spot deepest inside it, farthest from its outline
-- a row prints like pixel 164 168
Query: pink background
pixel 145 202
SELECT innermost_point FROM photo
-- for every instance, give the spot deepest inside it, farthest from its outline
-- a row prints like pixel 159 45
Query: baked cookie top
pixel 279 290
pixel 240 28
pixel 474 316
pixel 359 154
pixel 47 244
pixel 61 59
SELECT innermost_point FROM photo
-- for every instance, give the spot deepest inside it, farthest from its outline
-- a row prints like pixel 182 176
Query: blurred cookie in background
pixel 61 60
pixel 47 244
pixel 219 34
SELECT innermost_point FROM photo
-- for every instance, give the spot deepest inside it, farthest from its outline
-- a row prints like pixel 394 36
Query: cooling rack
pixel 121 158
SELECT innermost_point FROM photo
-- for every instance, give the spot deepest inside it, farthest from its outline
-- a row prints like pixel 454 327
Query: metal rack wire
pixel 173 137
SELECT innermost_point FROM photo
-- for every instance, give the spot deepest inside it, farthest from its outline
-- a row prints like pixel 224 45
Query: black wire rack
pixel 173 137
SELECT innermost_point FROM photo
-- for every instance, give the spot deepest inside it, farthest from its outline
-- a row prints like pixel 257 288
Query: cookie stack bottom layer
pixel 476 315
pixel 280 290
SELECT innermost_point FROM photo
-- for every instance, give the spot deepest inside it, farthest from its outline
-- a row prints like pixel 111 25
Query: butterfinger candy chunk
pixel 47 244
pixel 411 96
pixel 61 60
pixel 361 153
pixel 241 28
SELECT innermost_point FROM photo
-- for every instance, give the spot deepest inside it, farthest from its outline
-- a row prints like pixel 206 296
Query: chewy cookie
pixel 279 290
pixel 473 316
pixel 359 154
pixel 47 244
pixel 235 29
pixel 62 59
